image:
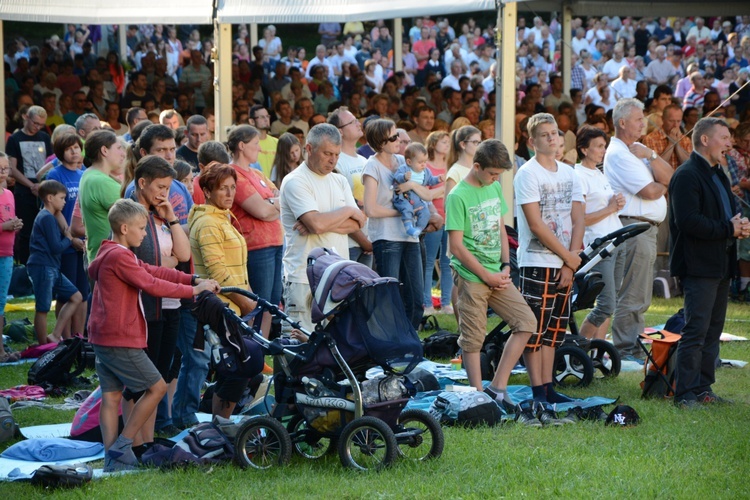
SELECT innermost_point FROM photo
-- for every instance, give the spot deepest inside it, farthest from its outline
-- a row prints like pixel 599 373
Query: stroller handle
pixel 241 291
pixel 620 235
pixel 264 305
pixel 602 247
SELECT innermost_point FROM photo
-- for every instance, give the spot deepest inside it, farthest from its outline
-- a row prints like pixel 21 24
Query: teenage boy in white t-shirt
pixel 550 233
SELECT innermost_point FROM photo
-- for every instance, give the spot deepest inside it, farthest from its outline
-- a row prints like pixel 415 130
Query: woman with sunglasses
pixel 396 254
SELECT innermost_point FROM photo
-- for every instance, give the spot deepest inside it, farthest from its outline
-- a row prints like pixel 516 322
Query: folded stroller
pixel 577 359
pixel 320 387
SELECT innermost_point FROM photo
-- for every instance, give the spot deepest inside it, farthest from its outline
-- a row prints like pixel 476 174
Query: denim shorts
pixel 49 282
pixel 6 272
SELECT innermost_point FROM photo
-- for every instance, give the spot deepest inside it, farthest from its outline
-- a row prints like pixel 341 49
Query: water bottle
pixel 214 344
pixel 315 388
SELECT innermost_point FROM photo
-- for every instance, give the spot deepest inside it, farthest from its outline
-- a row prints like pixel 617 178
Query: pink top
pixel 439 203
pixel 7 211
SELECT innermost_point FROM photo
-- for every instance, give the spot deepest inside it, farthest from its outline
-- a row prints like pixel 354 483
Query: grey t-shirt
pixel 385 228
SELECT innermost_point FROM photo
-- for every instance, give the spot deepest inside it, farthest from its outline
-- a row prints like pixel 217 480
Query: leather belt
pixel 641 219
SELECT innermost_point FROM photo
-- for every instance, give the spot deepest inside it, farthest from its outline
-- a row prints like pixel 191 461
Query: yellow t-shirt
pixel 267 154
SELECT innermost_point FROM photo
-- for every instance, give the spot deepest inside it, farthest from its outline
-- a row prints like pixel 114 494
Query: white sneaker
pixel 429 311
pixel 447 309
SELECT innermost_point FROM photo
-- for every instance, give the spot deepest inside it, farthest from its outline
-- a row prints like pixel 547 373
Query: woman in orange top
pixel 256 207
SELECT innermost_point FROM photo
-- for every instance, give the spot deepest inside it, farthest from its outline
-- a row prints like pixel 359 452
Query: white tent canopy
pixel 108 12
pixel 314 11
pixel 637 8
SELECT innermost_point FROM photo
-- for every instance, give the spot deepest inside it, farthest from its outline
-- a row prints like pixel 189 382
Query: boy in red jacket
pixel 117 327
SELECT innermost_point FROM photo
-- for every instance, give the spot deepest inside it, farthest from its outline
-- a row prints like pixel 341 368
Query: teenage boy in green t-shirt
pixel 481 269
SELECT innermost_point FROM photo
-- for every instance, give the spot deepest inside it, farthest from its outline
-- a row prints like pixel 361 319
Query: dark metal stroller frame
pixel 572 359
pixel 396 434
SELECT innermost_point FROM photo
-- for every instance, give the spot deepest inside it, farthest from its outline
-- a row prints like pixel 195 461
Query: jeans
pixel 357 255
pixel 264 274
pixel 435 246
pixel 403 260
pixel 705 310
pixel 634 269
pixel 193 372
pixel 162 341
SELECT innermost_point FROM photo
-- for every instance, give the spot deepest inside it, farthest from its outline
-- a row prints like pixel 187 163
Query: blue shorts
pixel 71 265
pixel 49 282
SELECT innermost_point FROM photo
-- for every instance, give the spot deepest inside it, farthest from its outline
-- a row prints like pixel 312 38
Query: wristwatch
pixel 174 222
pixel 502 266
pixel 653 154
pixel 193 279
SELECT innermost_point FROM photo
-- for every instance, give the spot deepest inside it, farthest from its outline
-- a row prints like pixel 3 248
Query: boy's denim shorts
pixel 49 282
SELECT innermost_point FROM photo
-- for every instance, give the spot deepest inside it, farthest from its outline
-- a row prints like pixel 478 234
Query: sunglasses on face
pixel 393 138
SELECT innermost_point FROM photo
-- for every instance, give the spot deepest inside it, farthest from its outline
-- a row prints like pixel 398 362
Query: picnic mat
pixel 517 393
pixel 13 470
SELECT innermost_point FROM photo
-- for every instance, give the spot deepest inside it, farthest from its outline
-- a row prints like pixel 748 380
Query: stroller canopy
pixel 332 279
pixel 370 322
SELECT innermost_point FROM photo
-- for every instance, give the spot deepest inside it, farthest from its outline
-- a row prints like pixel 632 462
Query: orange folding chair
pixel 659 369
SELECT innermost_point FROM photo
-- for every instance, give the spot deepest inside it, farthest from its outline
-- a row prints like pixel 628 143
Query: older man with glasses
pixel 28 149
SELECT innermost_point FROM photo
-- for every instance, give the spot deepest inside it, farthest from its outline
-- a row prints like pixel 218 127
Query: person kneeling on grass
pixel 117 327
pixel 481 268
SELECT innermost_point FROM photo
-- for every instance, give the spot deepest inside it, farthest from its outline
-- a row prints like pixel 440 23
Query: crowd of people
pixel 394 169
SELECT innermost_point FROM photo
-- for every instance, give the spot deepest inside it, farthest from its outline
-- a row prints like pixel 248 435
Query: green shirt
pixel 96 194
pixel 478 212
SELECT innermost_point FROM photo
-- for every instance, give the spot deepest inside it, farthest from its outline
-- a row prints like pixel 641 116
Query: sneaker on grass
pixel 525 414
pixel 546 414
pixel 710 398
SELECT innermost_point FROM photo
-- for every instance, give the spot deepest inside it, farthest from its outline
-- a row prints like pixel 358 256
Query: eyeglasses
pixel 347 124
pixel 38 124
pixel 4 170
pixel 393 138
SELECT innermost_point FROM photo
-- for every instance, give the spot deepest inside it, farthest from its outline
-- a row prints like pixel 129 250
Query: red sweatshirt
pixel 116 311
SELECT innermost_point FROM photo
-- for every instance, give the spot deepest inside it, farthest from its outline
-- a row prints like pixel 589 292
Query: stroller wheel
pixel 306 441
pixel 367 443
pixel 606 357
pixel 419 435
pixel 573 367
pixel 261 443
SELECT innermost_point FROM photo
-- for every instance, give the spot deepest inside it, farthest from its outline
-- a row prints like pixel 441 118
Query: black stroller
pixel 578 358
pixel 320 386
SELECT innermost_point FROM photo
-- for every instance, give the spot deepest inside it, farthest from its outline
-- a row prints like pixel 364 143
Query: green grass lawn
pixel 672 454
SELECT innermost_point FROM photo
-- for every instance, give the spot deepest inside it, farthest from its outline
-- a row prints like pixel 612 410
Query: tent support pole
pixel 567 38
pixel 398 34
pixel 505 91
pixel 222 57
pixel 253 37
pixel 122 32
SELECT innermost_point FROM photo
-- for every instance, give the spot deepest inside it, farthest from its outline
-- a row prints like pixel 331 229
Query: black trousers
pixel 705 311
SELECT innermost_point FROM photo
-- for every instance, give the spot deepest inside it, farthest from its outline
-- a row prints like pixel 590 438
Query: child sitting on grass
pixel 414 211
pixel 50 237
pixel 117 327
